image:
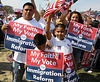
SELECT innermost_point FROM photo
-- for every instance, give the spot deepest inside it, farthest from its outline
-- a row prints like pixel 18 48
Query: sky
pixel 80 5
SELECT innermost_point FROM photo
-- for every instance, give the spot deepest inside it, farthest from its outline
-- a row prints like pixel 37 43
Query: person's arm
pixel 63 16
pixel 36 14
pixel 47 5
pixel 64 21
pixel 47 27
pixel 93 49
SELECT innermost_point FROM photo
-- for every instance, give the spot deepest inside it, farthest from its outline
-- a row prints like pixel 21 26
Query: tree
pixel 7 9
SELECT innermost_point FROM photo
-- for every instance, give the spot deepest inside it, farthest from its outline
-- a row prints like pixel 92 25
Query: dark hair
pixel 94 23
pixel 29 4
pixel 69 11
pixel 58 13
pixel 79 15
pixel 39 39
pixel 60 25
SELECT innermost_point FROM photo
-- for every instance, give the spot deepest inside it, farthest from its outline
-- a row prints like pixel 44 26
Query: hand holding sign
pixel 5 27
pixel 81 36
pixel 20 36
pixel 45 65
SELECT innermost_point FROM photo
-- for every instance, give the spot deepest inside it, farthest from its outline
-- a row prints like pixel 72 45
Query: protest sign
pixel 20 37
pixel 69 70
pixel 81 36
pixel 87 58
pixel 44 66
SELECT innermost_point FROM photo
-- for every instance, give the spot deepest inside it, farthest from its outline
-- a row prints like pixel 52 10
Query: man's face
pixel 28 12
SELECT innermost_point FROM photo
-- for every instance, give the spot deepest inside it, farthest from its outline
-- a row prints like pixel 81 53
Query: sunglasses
pixel 28 9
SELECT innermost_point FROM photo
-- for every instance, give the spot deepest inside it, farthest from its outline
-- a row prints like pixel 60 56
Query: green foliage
pixel 7 9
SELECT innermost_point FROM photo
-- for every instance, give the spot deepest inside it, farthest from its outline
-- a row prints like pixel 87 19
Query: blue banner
pixel 71 77
pixel 80 42
pixel 34 73
pixel 16 43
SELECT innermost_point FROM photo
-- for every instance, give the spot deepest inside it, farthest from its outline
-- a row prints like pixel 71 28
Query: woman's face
pixel 75 17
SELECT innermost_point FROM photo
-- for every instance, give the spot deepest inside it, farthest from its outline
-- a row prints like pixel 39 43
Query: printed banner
pixel 44 66
pixel 87 58
pixel 20 37
pixel 81 36
pixel 68 62
pixel 69 70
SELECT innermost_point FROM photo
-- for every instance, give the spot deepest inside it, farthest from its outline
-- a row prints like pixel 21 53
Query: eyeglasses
pixel 28 9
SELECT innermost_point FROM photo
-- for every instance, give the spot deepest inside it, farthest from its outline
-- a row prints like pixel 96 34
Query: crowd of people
pixel 55 28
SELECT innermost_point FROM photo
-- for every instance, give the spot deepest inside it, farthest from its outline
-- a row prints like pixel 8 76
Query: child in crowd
pixel 76 16
pixel 61 44
pixel 40 42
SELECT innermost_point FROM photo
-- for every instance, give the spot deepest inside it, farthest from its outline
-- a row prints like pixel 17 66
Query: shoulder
pixel 67 41
pixel 36 48
pixel 37 24
pixel 41 20
pixel 19 19
pixel 49 50
pixel 52 37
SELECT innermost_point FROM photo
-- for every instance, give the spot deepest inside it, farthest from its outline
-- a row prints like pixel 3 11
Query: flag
pixel 92 17
pixel 98 16
pixel 46 0
pixel 58 5
pixel 64 9
pixel 88 13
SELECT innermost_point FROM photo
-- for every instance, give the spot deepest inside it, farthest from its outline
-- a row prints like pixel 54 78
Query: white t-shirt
pixel 42 22
pixel 21 57
pixel 50 50
pixel 63 46
pixel 4 20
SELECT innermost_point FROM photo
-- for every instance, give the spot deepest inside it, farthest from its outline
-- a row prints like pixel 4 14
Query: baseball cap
pixel 18 10
pixel 98 13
